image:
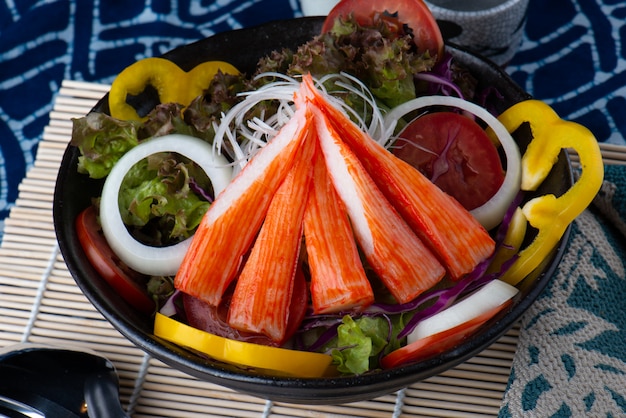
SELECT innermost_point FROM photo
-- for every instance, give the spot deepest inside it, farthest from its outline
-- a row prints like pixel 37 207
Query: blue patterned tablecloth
pixel 571 360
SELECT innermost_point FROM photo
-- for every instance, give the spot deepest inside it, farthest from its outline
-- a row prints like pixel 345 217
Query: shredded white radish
pixel 242 137
pixel 143 258
pixel 245 137
pixel 490 214
pixel 488 297
pixel 376 128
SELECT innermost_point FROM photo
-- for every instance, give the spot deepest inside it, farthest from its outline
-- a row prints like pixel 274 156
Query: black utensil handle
pixel 102 397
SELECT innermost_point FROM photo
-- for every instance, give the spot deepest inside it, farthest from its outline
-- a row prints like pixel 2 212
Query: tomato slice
pixel 455 153
pixel 125 281
pixel 414 13
pixel 203 316
pixel 440 342
pixel 261 357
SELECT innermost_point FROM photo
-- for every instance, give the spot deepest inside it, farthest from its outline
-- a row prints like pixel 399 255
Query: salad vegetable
pixel 441 341
pixel 102 140
pixel 170 83
pixel 125 281
pixel 375 49
pixel 490 296
pixel 143 258
pixel 490 213
pixel 312 200
pixel 512 241
pixel 412 14
pixel 241 353
pixel 550 214
pixel 452 148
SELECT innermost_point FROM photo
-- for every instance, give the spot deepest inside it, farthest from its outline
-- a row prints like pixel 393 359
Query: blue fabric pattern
pixel 572 57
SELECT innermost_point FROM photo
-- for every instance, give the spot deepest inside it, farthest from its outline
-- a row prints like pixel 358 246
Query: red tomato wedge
pixel 122 279
pixel 440 342
pixel 213 320
pixel 455 153
pixel 414 13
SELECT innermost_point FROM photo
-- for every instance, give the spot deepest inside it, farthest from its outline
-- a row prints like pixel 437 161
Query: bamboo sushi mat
pixel 40 303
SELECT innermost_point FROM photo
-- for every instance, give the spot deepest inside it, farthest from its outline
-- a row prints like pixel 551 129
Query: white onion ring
pixel 143 258
pixel 488 297
pixel 489 214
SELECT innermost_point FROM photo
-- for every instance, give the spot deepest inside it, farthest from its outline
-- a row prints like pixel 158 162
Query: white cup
pixel 317 7
pixel 491 28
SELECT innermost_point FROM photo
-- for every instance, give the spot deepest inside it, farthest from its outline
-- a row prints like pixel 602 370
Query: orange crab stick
pixel 450 231
pixel 403 263
pixel 228 228
pixel 260 302
pixel 338 280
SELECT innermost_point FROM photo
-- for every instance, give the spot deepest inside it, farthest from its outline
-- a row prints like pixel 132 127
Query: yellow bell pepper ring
pixel 172 84
pixel 549 214
pixel 279 361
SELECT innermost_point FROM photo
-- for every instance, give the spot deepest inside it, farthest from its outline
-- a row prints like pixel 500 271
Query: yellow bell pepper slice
pixel 512 242
pixel 278 361
pixel 173 85
pixel 550 214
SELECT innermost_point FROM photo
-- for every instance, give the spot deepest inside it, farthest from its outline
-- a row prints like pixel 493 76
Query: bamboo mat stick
pixel 74 88
pixel 612 154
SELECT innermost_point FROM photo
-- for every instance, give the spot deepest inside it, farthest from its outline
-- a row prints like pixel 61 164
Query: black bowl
pixel 243 48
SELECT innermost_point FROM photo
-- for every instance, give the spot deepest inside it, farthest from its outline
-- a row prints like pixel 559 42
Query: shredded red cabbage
pixel 488 96
pixel 195 187
pixel 326 336
pixel 445 86
pixel 440 78
pixel 173 305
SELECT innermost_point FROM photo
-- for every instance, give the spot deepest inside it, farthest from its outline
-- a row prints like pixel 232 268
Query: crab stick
pixel 262 296
pixel 229 227
pixel 403 263
pixel 338 280
pixel 449 230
